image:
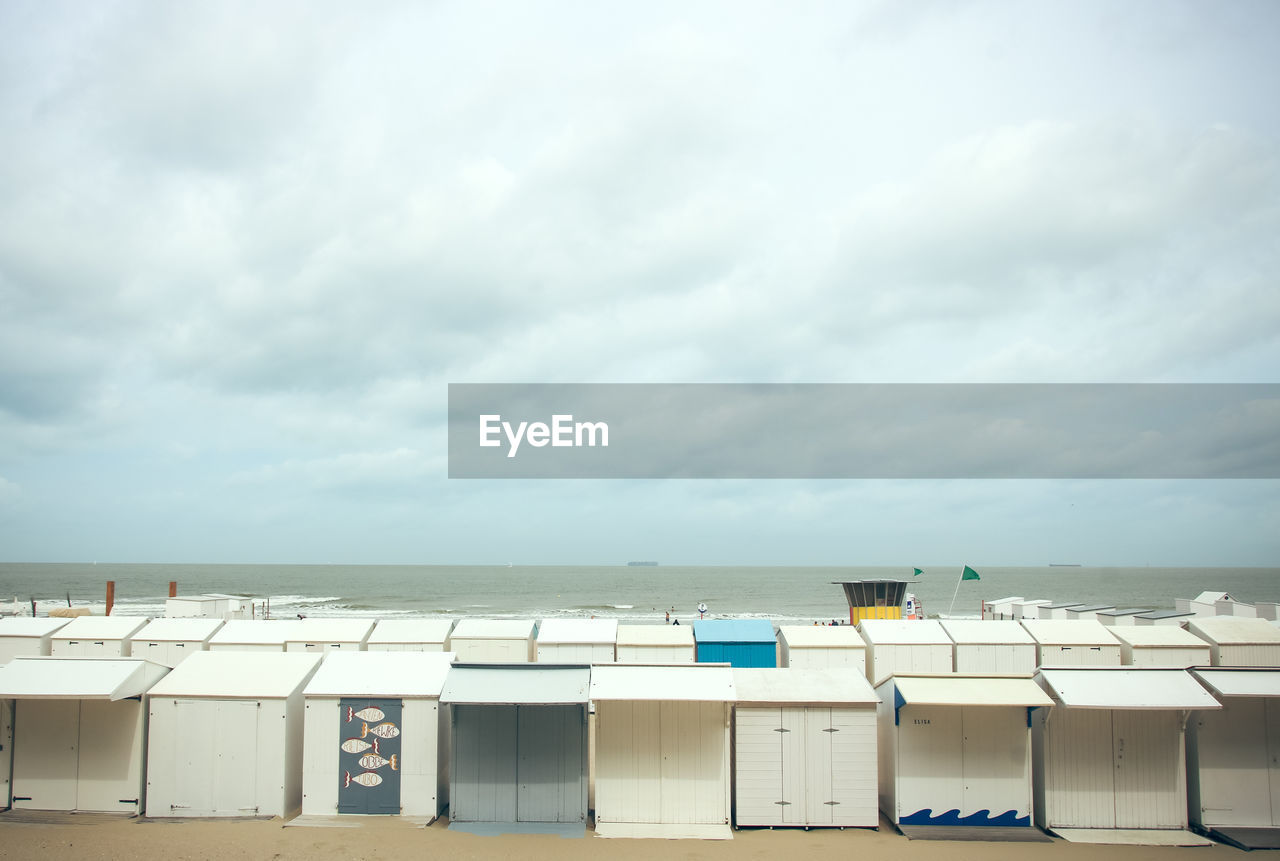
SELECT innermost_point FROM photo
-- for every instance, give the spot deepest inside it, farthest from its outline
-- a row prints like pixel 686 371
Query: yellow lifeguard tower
pixel 874 599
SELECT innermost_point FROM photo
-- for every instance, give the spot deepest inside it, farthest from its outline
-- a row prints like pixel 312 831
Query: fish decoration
pixel 369 713
pixel 355 745
pixel 372 761
pixel 364 778
pixel 385 730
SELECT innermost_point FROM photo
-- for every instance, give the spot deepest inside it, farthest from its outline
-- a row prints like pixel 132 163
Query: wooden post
pixel 111 595
pixel 173 588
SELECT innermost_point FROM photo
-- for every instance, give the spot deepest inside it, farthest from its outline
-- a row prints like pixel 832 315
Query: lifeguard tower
pixel 874 599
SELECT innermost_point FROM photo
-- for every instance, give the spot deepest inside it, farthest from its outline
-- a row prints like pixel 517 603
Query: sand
pixel 100 837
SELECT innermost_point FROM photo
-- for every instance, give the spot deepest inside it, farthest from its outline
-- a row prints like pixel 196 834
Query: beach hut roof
pixel 573 631
pixel 907 632
pixel 516 684
pixel 1069 632
pixel 1062 605
pixel 100 628
pixel 493 629
pixel 734 631
pixel 380 674
pixel 1091 608
pixel 1212 597
pixel 1132 611
pixel 329 630
pixel 174 629
pixel 258 632
pixel 655 635
pixel 954 690
pixel 821 636
pixel 1010 600
pixel 28 627
pixel 1240 683
pixel 1037 602
pixel 1158 635
pixel 411 631
pixel 793 686
pixel 1111 688
pixel 227 675
pixel 694 682
pixel 978 632
pixel 1164 614
pixel 1235 631
pixel 78 678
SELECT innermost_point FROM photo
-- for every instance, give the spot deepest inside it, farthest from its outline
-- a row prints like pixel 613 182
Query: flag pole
pixel 959 580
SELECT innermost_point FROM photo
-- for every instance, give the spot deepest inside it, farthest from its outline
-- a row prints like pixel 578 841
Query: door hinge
pixel 781 729
pixel 784 803
pixel 832 729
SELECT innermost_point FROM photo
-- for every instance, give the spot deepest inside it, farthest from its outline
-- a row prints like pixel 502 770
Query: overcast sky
pixel 245 247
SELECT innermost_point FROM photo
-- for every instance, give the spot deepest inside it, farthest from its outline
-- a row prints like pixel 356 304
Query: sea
pixel 645 594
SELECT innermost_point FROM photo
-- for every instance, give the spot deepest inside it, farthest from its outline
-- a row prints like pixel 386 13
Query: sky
pixel 245 248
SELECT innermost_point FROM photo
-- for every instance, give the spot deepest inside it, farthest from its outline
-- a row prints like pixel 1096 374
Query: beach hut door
pixel 369 763
pixel 6 749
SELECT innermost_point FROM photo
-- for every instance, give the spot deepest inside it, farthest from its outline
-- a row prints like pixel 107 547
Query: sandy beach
pixel 101 837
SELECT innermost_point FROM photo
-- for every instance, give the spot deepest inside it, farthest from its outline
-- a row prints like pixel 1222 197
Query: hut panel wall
pixel 46 753
pixel 90 648
pixel 289 795
pixel 1260 655
pixel 826 657
pixel 1150 775
pixel 1229 765
pixel 167 654
pixel 760 791
pixel 887 759
pixel 995 659
pixel 575 653
pixel 1179 656
pixel 320 776
pixel 854 767
pixel 246 647
pixel 636 654
pixel 1273 757
pixel 14 647
pixel 997 763
pixel 406 647
pixel 494 651
pixel 1079 769
pixel 1079 656
pixel 483 786
pixel 930 765
pixel 419 769
pixel 6 749
pixel 110 767
pixel 551 771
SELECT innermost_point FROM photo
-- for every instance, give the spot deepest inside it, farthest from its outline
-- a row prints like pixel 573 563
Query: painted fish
pixel 370 760
pixel 355 745
pixel 364 778
pixel 385 730
pixel 368 713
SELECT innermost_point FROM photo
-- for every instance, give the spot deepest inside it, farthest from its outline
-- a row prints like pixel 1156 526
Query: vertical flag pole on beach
pixel 967 574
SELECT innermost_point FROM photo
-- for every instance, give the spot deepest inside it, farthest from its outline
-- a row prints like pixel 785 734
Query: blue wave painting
pixel 1008 819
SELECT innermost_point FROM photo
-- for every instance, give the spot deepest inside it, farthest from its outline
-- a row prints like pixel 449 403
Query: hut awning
pixel 239 675
pixel 820 686
pixel 1241 683
pixel 178 629
pixel 517 684
pixel 737 631
pixel 968 691
pixel 1107 688
pixel 690 683
pixel 78 678
pixel 380 674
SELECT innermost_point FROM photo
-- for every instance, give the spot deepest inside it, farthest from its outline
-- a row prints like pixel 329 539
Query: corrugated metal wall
pixel 1260 655
pixel 824 657
pixel 1079 656
pixel 637 654
pixel 995 659
pixel 738 654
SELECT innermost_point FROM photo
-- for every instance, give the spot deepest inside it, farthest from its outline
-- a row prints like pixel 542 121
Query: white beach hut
pixel 23 637
pixel 1161 646
pixel 1237 642
pixel 1058 609
pixel 77 732
pixel 494 641
pixel 577 641
pixel 207 607
pixel 819 646
pixel 1029 609
pixel 662 750
pixel 518 759
pixel 168 642
pixel 410 635
pixel 328 635
pixel 1061 643
pixel 1114 618
pixel 225 737
pixel 903 646
pixel 1110 756
pixel 252 635
pixel 1163 617
pixel 804 751
pixel 991 647
pixel 95 636
pixel 1001 608
pixel 1087 612
pixel 955 751
pixel 655 644
pixel 1233 758
pixel 351 702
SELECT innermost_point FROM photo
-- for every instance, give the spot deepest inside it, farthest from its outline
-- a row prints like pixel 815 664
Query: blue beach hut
pixel 737 642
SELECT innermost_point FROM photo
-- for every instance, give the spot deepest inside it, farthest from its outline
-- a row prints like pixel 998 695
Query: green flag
pixel 918 572
pixel 969 574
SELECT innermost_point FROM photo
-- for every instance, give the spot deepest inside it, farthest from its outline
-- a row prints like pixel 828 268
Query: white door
pixel 1234 790
pixel 930 787
pixel 1150 777
pixel 1079 769
pixel 854 776
pixel 997 775
pixel 6 749
pixel 812 759
pixel 46 754
pixel 216 765
pixel 1273 757
pixel 109 774
pixel 759 789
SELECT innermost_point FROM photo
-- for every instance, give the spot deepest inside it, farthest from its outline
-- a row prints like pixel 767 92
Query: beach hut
pixel 662 750
pixel 1236 642
pixel 737 642
pixel 328 635
pixel 1161 646
pixel 1233 758
pixel 519 749
pixel 410 635
pixel 77 737
pixel 1162 617
pixel 804 747
pixel 1267 610
pixel 1119 618
pixel 901 646
pixel 577 641
pixel 207 607
pixel 655 644
pixel 991 647
pixel 1087 612
pixel 100 636
pixel 252 635
pixel 955 751
pixel 1058 610
pixel 1029 609
pixel 1110 756
pixel 225 737
pixel 374 741
pixel 27 637
pixel 1060 643
pixel 822 646
pixel 1001 608
pixel 499 641
pixel 169 641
